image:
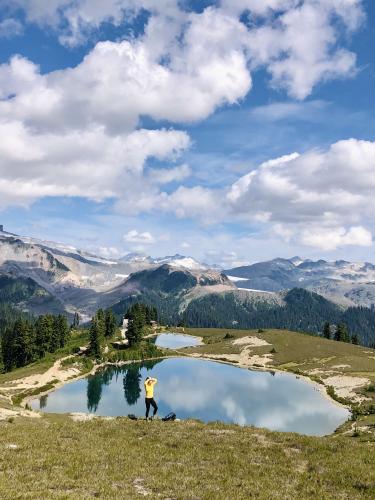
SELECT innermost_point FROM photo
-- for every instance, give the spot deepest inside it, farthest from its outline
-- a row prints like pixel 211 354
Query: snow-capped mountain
pixel 75 279
pixel 176 260
pixel 346 283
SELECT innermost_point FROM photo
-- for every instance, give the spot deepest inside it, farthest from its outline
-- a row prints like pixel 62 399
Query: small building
pixel 1 228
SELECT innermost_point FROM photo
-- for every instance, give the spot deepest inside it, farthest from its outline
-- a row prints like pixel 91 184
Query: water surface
pixel 176 340
pixel 205 390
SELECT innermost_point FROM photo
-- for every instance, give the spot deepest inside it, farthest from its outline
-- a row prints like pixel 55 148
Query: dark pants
pixel 150 402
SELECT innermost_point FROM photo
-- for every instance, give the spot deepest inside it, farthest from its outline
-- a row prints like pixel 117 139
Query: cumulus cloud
pixel 320 198
pixel 332 238
pixel 134 236
pixel 76 132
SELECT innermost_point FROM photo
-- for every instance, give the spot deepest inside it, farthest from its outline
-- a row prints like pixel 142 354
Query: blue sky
pixel 149 126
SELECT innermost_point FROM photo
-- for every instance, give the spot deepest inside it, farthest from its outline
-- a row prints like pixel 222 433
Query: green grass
pixel 296 350
pixel 55 457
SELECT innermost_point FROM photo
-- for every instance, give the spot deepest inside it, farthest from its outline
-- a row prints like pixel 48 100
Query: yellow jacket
pixel 149 387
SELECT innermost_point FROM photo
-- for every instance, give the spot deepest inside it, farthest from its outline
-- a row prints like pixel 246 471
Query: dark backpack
pixel 169 417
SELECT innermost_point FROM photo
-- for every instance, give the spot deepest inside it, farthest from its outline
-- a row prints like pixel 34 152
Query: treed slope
pixel 25 294
pixel 166 288
pixel 303 311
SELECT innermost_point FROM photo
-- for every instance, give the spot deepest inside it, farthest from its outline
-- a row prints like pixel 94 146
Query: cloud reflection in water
pixel 206 390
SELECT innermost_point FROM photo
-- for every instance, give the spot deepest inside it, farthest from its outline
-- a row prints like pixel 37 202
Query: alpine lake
pixel 204 390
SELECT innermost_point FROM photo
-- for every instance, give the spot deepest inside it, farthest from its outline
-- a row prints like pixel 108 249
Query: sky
pixel 232 131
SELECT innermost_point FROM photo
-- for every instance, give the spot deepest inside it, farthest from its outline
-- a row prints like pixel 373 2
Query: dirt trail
pixel 55 373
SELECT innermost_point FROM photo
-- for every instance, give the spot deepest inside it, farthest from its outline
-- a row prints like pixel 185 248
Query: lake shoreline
pixel 102 366
pixel 64 380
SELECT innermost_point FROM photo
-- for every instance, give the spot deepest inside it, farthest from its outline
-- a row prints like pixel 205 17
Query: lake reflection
pixel 206 390
pixel 176 341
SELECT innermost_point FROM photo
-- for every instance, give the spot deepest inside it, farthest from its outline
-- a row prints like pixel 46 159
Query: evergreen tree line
pixel 303 311
pixel 339 333
pixel 27 340
pixel 103 325
pixel 139 315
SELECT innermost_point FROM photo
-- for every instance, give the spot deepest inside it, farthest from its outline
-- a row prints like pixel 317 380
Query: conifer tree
pixel 55 334
pixel 100 316
pixel 7 349
pixel 341 333
pixel 327 330
pixel 61 326
pixel 75 320
pixel 354 339
pixel 22 343
pixel 95 338
pixel 110 323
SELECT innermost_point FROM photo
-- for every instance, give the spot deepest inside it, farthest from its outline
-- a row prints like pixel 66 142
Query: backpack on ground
pixel 170 417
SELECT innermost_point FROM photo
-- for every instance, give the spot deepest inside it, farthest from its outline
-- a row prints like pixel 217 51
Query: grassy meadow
pixel 56 456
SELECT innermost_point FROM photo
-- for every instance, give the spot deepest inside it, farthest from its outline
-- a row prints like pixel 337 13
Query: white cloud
pixel 89 163
pixel 278 111
pixel 299 49
pixel 10 28
pixel 108 252
pixel 332 238
pixel 165 176
pixel 133 236
pixel 319 198
pixel 75 132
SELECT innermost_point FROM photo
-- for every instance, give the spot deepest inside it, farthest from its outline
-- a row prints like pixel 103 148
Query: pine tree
pixel 341 333
pixel 7 349
pixel 327 330
pixel 75 320
pixel 95 338
pixel 100 316
pixel 62 329
pixel 355 339
pixel 43 336
pixel 22 343
pixel 55 333
pixel 110 323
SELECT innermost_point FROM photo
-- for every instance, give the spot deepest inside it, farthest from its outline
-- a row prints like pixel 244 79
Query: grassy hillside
pixel 56 456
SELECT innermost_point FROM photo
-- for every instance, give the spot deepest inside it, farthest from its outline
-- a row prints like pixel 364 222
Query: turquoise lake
pixel 205 390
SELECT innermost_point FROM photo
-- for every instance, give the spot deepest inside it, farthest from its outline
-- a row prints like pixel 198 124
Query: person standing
pixel 149 400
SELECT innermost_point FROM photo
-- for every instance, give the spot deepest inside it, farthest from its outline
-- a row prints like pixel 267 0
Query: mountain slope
pixel 345 283
pixel 168 288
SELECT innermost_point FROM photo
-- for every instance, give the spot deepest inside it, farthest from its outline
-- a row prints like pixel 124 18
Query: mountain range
pixel 344 283
pixel 39 276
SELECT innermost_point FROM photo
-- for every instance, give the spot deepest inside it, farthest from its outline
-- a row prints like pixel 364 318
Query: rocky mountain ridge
pixel 345 283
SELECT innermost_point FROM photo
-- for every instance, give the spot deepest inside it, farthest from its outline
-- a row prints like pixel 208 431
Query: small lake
pixel 206 390
pixel 176 340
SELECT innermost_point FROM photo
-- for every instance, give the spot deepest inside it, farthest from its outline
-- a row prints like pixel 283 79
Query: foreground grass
pixel 54 457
